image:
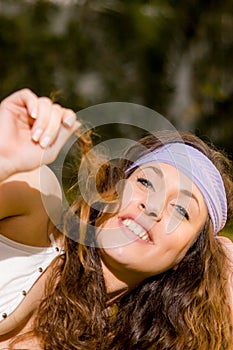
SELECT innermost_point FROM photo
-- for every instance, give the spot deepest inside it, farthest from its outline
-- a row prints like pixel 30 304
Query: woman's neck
pixel 116 286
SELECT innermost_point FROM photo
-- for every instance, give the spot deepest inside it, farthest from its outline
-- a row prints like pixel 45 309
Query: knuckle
pixel 57 107
pixel 45 100
pixel 26 91
pixel 70 111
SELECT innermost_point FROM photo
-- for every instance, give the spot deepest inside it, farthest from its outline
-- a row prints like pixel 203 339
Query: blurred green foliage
pixel 174 56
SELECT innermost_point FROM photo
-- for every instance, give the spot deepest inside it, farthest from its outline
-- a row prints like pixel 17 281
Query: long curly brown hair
pixel 183 308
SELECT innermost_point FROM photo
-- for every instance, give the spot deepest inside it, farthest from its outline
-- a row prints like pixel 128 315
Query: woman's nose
pixel 152 207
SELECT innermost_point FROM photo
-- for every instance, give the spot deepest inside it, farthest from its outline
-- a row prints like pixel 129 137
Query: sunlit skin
pixel 171 212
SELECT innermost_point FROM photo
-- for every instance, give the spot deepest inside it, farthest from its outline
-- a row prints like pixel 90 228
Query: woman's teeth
pixel 136 228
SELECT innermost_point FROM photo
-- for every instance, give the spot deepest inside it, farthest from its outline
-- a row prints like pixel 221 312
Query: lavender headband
pixel 200 170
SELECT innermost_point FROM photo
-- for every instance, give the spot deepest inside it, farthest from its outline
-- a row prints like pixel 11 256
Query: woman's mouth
pixel 137 229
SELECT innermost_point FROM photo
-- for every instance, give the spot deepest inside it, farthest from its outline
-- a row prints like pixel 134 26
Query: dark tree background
pixel 174 56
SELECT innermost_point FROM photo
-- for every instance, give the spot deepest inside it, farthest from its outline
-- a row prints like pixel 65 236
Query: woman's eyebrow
pixel 191 195
pixel 156 170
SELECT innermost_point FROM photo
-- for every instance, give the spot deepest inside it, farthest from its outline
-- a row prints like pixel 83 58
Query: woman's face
pixel 161 214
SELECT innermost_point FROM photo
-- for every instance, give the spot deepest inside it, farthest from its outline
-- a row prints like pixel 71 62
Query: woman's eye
pixel 182 211
pixel 145 182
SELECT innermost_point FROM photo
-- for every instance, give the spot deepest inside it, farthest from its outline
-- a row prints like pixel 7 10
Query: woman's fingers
pixel 38 116
pixel 49 117
pixel 23 99
pixel 41 115
pixel 51 152
pixel 69 118
pixel 58 116
pixel 33 131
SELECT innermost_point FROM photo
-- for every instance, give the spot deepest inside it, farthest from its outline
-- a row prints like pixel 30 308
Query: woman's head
pixel 161 214
pixel 165 204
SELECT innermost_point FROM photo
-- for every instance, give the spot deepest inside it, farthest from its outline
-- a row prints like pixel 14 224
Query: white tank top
pixel 20 266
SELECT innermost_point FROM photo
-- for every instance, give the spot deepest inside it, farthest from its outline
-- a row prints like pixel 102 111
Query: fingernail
pixel 37 134
pixel 45 141
pixel 33 114
pixel 70 120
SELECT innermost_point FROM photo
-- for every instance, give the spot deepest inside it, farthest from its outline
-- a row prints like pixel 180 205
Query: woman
pixel 32 132
pixel 149 271
pixel 143 268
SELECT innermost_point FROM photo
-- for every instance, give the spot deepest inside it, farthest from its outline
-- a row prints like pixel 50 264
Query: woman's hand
pixel 32 131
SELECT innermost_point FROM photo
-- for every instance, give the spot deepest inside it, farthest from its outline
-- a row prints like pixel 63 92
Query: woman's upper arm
pixel 16 195
pixel 31 194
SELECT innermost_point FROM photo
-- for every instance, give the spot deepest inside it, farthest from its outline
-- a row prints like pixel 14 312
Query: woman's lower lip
pixel 130 234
